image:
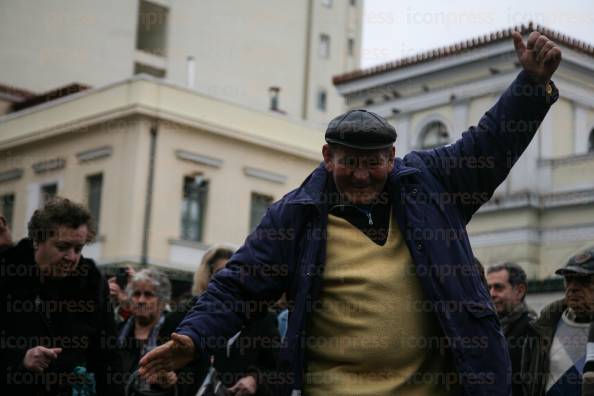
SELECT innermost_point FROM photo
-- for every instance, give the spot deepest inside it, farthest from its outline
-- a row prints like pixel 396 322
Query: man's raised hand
pixel 540 57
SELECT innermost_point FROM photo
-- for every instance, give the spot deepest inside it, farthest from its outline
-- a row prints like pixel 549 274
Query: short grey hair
pixel 516 274
pixel 155 277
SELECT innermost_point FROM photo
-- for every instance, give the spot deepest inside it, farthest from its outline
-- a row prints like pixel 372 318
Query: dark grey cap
pixel 580 264
pixel 361 129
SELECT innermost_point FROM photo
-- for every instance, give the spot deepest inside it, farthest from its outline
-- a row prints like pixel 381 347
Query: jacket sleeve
pixel 254 277
pixel 471 168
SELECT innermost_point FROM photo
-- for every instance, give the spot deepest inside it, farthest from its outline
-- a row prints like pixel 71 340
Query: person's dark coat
pixel 71 313
pixel 434 194
pixel 536 351
pixel 516 331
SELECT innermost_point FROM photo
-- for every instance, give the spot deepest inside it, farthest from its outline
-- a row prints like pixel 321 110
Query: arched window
pixel 433 135
pixel 591 142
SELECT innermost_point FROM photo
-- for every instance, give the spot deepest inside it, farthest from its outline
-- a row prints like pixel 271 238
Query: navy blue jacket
pixel 434 193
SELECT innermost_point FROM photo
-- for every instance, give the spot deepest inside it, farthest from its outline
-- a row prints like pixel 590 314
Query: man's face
pixel 505 296
pixel 359 175
pixel 58 256
pixel 579 294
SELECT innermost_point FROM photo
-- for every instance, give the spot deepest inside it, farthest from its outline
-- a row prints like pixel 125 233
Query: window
pixel 327 3
pixel 434 134
pixel 151 29
pixel 351 46
pixel 94 188
pixel 273 93
pixel 260 203
pixel 591 142
pixel 324 50
pixel 322 99
pixel 140 68
pixel 195 191
pixel 7 208
pixel 48 191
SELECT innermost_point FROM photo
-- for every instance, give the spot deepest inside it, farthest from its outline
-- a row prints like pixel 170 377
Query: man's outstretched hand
pixel 173 355
pixel 540 57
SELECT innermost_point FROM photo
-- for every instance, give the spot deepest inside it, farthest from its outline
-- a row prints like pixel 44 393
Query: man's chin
pixel 362 198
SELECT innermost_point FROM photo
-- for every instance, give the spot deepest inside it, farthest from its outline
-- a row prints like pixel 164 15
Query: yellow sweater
pixel 367 335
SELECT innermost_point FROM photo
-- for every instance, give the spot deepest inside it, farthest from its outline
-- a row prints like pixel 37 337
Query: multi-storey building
pixel 265 54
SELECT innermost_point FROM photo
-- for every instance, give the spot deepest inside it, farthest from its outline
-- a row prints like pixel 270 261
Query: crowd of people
pixel 360 300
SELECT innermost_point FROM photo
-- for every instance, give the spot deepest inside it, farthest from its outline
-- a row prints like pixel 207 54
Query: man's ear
pixel 521 290
pixel 328 158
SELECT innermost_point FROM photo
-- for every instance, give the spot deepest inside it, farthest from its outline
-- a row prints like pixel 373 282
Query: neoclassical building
pixel 544 212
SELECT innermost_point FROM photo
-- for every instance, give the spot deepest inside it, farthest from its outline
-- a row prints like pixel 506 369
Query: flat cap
pixel 361 129
pixel 580 264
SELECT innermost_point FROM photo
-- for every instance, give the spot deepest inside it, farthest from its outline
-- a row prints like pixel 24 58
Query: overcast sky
pixel 393 29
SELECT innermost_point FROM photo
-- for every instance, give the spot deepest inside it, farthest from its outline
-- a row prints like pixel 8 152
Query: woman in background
pixel 149 291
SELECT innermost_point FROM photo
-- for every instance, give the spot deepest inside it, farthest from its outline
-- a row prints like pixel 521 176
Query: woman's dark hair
pixel 59 212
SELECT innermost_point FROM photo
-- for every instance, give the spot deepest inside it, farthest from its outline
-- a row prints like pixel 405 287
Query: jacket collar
pixel 549 317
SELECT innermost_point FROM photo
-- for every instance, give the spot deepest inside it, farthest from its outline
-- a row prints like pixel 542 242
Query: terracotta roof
pixel 50 95
pixel 466 46
pixel 16 93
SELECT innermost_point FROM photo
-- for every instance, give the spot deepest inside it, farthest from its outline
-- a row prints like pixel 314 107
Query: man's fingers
pixel 539 44
pixel 554 55
pixel 155 354
pixel 532 40
pixel 518 43
pixel 154 371
pixel 543 51
pixel 50 353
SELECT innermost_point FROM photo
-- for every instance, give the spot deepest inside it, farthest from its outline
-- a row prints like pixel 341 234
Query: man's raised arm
pixel 482 158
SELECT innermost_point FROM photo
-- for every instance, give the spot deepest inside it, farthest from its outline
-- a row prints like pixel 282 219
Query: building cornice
pixel 159 100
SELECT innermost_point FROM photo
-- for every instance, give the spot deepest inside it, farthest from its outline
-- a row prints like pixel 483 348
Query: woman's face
pixel 145 303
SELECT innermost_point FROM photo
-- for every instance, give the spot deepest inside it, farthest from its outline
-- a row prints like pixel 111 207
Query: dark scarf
pixel 373 219
pixel 516 313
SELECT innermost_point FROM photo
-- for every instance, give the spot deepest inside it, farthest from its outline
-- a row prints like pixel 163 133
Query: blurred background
pixel 179 122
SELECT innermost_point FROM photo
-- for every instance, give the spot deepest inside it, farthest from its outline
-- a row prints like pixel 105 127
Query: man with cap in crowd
pixel 373 255
pixel 508 286
pixel 555 352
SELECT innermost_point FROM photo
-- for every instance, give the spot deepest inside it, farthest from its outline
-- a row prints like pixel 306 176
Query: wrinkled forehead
pixel 349 152
pixel 500 276
pixel 144 284
pixel 64 233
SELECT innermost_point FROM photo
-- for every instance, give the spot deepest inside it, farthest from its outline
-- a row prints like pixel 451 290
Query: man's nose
pixel 71 255
pixel 361 174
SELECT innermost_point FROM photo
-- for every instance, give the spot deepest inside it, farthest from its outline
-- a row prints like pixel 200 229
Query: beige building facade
pixel 167 172
pixel 261 54
pixel 544 212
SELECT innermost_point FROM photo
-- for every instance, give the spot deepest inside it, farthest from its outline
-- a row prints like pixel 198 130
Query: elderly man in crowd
pixel 555 351
pixel 508 287
pixel 362 241
pixel 55 321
